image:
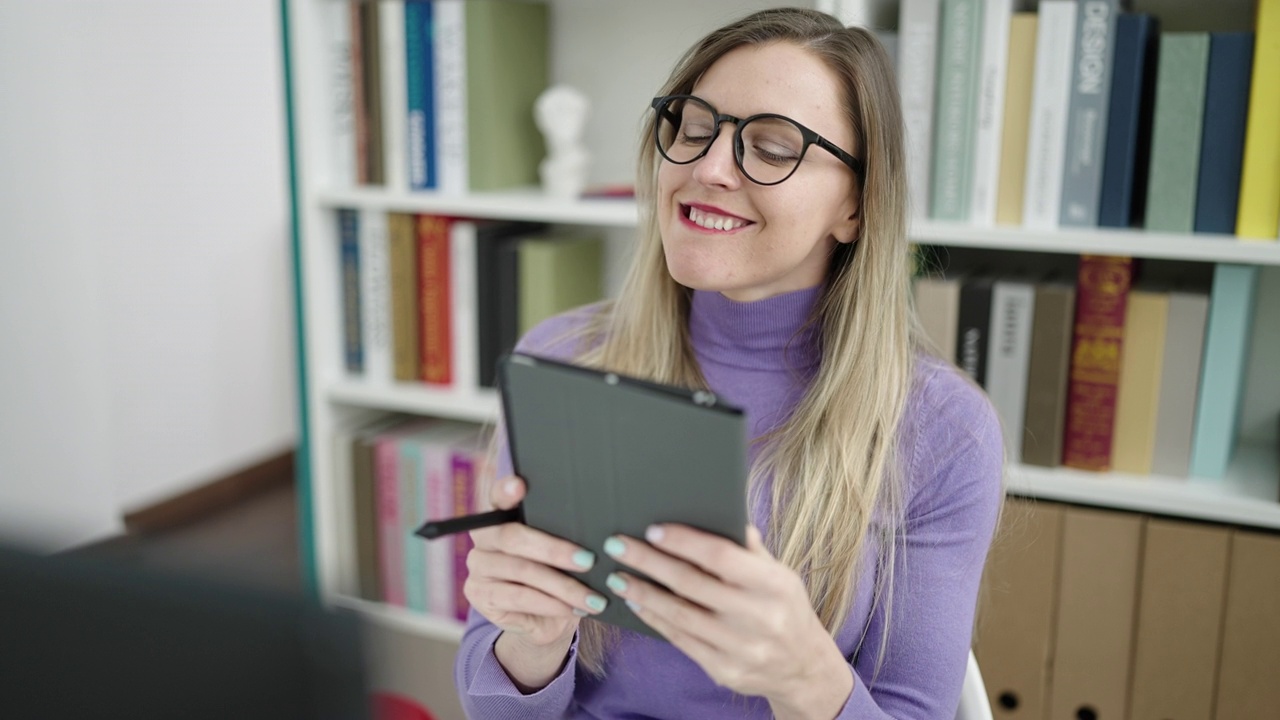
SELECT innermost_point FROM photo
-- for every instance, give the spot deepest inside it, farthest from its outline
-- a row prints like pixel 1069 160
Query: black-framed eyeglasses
pixel 767 147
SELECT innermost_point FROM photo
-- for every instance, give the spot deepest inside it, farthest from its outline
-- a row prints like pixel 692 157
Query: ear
pixel 847 229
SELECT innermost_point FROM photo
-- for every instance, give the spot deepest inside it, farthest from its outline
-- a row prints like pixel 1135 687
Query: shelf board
pixel 523 204
pixel 438 628
pixel 475 406
pixel 1248 495
pixel 1100 241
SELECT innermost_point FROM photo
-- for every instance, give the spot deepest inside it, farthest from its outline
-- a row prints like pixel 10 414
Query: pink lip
pixel 684 218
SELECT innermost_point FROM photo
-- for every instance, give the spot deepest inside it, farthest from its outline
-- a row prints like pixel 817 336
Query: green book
pixel 1176 132
pixel 506 70
pixel 558 273
pixel 959 59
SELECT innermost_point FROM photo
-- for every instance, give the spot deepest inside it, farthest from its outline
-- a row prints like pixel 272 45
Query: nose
pixel 718 168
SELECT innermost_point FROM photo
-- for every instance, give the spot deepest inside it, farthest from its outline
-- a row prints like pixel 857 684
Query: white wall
pixel 145 297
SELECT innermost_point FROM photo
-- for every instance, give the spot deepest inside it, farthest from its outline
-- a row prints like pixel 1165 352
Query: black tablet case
pixel 604 454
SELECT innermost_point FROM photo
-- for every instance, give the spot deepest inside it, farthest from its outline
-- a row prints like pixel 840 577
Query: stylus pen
pixel 440 528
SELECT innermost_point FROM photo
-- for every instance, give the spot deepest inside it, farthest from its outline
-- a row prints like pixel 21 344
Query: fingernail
pixel 654 534
pixel 584 559
pixel 616 583
pixel 580 612
pixel 613 547
pixel 597 602
pixel 634 606
pixel 510 487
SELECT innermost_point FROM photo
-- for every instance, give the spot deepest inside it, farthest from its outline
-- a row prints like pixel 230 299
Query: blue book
pixel 1226 103
pixel 1226 349
pixel 352 327
pixel 420 88
pixel 1128 150
pixel 1088 112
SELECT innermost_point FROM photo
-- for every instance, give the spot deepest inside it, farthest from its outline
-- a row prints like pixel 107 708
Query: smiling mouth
pixel 712 221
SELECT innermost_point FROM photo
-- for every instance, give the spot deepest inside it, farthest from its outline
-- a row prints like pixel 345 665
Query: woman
pixel 772 267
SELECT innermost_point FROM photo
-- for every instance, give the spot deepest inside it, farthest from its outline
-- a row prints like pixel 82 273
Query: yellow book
pixel 1259 215
pixel 1138 395
pixel 1017 117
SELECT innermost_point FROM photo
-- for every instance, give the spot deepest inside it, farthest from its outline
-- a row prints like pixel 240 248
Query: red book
pixel 436 328
pixel 1102 292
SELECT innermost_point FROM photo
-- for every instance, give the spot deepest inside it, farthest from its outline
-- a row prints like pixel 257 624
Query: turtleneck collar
pixel 765 334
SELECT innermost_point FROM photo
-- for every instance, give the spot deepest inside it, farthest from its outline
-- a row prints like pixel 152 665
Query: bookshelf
pixel 582 32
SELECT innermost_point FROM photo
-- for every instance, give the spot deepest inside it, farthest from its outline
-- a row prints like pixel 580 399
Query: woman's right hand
pixel 514 580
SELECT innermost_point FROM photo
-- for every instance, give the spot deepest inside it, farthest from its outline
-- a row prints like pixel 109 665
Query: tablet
pixel 605 454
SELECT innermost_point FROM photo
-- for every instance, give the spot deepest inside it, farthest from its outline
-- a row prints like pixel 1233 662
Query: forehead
pixel 777 78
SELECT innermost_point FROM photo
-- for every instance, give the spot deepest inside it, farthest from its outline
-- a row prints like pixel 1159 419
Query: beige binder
pixel 1247 673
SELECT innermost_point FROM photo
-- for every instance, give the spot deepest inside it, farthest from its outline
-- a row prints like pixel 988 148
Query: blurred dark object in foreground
pixel 84 637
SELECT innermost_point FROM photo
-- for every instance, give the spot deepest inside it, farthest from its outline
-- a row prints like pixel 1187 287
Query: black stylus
pixel 440 528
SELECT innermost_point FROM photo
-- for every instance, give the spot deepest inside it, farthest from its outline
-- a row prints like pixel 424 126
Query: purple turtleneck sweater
pixel 760 357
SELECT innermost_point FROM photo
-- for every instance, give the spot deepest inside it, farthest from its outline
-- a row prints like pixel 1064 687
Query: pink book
pixel 390 543
pixel 464 492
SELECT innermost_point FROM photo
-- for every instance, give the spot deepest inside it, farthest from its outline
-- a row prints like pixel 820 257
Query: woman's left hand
pixel 744 617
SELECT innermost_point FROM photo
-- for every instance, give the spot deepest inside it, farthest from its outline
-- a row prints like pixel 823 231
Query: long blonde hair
pixel 836 483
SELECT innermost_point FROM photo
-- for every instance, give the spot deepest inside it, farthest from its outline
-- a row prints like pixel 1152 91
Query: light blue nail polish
pixel 635 607
pixel 584 559
pixel 613 547
pixel 616 583
pixel 597 603
pixel 580 612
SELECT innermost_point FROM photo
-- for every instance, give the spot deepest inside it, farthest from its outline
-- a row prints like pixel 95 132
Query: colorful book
pixel 1019 88
pixel 436 326
pixel 917 72
pixel 413 505
pixel 1259 214
pixel 959 53
pixel 993 67
pixel 466 465
pixel 1177 131
pixel 1128 155
pixel 1048 372
pixel 1102 290
pixel 1088 111
pixel 1008 356
pixel 1138 397
pixel 375 296
pixel 1179 383
pixel 437 487
pixel 352 314
pixel 405 345
pixel 365 507
pixel 420 94
pixel 1046 143
pixel 1228 333
pixel 1226 101
pixel 558 273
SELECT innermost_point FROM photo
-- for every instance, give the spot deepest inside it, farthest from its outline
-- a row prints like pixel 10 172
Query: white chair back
pixel 973 694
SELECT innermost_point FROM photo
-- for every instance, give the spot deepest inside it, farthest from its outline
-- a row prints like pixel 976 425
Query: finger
pixel 502 601
pixel 512 569
pixel 704 653
pixel 507 492
pixel 683 578
pixel 715 555
pixel 689 618
pixel 523 541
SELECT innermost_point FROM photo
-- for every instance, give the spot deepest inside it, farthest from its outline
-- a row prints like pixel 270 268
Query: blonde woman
pixel 773 269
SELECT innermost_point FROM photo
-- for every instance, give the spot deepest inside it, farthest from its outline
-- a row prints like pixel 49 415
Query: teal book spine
pixel 1176 132
pixel 413 514
pixel 957 106
pixel 1222 374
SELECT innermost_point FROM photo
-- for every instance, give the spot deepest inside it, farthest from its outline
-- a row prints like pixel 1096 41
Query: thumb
pixel 755 542
pixel 507 492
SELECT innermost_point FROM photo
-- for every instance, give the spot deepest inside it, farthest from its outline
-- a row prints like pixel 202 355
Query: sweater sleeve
pixel 956 478
pixel 487 692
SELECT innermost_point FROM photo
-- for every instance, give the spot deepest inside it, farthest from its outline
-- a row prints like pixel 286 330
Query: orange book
pixel 1102 292
pixel 436 328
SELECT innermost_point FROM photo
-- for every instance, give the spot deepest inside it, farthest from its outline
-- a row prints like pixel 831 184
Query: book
pixel 406 347
pixel 495 296
pixel 993 66
pixel 375 294
pixel 438 448
pixel 1179 383
pixel 938 307
pixel 917 72
pixel 1102 290
pixel 359 90
pixel 420 94
pixel 1259 213
pixel 1128 153
pixel 393 64
pixel 1008 356
pixel 558 273
pixel 371 73
pixel 1017 118
pixel 973 325
pixel 352 314
pixel 1055 50
pixel 960 35
pixel 1088 108
pixel 463 339
pixel 365 507
pixel 1228 332
pixel 468 464
pixel 434 298
pixel 1176 132
pixel 342 130
pixel 1226 100
pixel 1138 395
pixel 1048 371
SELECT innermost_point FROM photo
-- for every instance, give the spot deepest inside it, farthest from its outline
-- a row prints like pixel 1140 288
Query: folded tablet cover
pixel 604 454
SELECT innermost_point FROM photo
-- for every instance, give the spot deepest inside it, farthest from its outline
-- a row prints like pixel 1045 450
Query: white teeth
pixel 714 222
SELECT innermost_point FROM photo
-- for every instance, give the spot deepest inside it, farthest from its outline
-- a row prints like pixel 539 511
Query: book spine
pixel 1176 132
pixel 1179 383
pixel 463 313
pixel 352 314
pixel 375 293
pixel 1017 118
pixel 463 473
pixel 359 104
pixel 413 512
pixel 1141 365
pixel 1259 214
pixel 989 116
pixel 394 82
pixel 404 296
pixel 956 103
pixel 1102 289
pixel 338 20
pixel 450 56
pixel 1124 169
pixel 365 510
pixel 1048 370
pixel 440 553
pixel 1055 49
pixel 435 329
pixel 1087 119
pixel 418 89
pixel 390 542
pixel 1228 333
pixel 937 303
pixel 1008 353
pixel 371 57
pixel 1222 144
pixel 917 68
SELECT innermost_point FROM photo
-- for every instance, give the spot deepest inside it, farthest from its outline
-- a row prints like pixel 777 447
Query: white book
pixel 375 296
pixel 449 46
pixel 1050 101
pixel 462 290
pixel 395 98
pixel 341 98
pixel 992 73
pixel 917 72
pixel 1008 357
